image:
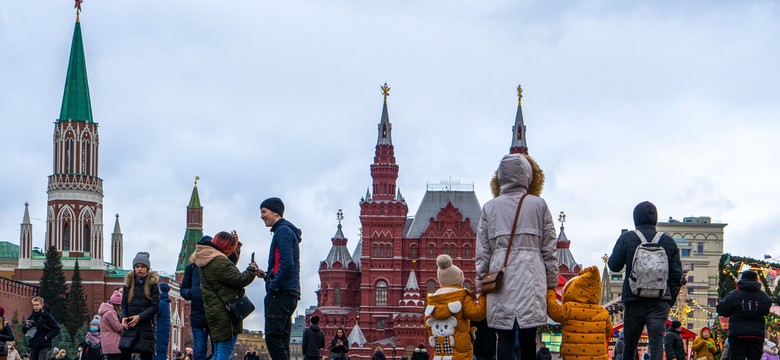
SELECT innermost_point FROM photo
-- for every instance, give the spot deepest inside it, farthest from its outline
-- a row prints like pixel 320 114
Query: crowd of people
pixel 517 274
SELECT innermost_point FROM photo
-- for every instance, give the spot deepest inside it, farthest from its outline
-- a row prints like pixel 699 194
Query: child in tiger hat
pixel 586 324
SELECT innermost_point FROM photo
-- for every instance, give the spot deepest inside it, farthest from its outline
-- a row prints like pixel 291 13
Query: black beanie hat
pixel 274 204
pixel 750 275
pixel 676 324
pixel 315 320
pixel 645 214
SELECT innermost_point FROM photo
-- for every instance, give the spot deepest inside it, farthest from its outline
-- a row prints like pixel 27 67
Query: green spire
pixel 76 105
pixel 194 198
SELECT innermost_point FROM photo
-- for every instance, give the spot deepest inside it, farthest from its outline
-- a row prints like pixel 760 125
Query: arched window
pixel 431 250
pixel 389 251
pixel 84 145
pixel 337 295
pixel 375 250
pixel 414 251
pixel 381 293
pixel 467 252
pixel 85 238
pixel 68 156
pixel 66 237
pixel 431 286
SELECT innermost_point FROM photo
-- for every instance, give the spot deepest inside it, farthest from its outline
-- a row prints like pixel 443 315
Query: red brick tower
pixel 382 216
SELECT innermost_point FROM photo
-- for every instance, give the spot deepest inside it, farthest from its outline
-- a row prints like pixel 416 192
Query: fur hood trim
pixel 153 278
pixel 537 180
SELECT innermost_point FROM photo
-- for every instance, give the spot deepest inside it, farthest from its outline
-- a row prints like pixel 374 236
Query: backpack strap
pixel 655 240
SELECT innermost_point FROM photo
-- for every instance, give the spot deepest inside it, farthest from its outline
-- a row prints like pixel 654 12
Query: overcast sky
pixel 667 101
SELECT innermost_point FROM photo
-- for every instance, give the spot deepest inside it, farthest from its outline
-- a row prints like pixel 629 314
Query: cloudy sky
pixel 671 102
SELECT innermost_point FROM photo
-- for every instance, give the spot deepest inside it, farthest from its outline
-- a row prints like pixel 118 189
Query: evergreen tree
pixel 53 286
pixel 77 304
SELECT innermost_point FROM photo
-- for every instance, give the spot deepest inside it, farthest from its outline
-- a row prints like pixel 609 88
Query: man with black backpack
pixel 651 282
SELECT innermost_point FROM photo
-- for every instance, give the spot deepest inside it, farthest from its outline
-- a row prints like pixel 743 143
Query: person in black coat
pixel 379 354
pixel 45 326
pixel 6 334
pixel 190 290
pixel 543 353
pixel 140 304
pixel 313 340
pixel 746 307
pixel 421 353
pixel 339 346
pixel 673 343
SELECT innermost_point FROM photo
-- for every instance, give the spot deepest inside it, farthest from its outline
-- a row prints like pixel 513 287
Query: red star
pixel 78 5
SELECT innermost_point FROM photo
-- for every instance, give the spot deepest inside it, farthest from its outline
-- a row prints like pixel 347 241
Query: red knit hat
pixel 225 242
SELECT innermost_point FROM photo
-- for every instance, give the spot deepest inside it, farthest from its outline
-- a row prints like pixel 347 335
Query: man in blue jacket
pixel 282 279
pixel 641 311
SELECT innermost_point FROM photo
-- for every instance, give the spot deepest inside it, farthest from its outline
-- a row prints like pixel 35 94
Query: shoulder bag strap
pixel 641 236
pixel 514 227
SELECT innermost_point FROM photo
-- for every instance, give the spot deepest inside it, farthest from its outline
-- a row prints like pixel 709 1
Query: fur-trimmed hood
pixel 204 254
pixel 152 278
pixel 515 173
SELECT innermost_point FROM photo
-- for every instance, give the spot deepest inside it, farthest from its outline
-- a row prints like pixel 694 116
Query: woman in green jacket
pixel 220 283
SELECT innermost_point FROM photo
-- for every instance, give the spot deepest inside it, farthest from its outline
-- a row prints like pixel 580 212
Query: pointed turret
pixel 356 336
pixel 76 104
pixel 338 251
pixel 384 136
pixel 567 266
pixel 606 289
pixel 519 145
pixel 194 231
pixel 117 246
pixel 25 239
pixel 384 170
pixel 411 300
pixel 358 250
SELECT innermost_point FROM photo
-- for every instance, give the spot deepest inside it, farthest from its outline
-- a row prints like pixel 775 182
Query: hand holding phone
pixel 253 258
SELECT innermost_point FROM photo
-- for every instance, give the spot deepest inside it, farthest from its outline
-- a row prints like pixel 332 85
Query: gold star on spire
pixel 385 91
pixel 196 180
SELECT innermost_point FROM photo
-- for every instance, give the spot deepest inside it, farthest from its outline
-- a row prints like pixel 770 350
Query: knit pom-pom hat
pixel 448 274
pixel 116 298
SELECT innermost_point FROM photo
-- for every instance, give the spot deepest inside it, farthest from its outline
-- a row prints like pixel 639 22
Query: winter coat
pixel 673 345
pixel 378 356
pixel 745 307
pixel 454 307
pixel 770 351
pixel 586 324
pixel 140 297
pixel 284 266
pixel 420 354
pixel 46 327
pixel 220 283
pixel 313 341
pixel 110 329
pixel 190 290
pixel 337 351
pixel 704 348
pixel 163 324
pixel 725 354
pixel 623 256
pixel 543 354
pixel 533 263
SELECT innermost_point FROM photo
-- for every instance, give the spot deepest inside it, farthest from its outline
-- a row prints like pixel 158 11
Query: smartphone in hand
pixel 253 258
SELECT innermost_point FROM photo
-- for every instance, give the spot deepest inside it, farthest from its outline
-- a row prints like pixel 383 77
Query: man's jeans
pixel 636 315
pixel 224 349
pixel 279 308
pixel 200 340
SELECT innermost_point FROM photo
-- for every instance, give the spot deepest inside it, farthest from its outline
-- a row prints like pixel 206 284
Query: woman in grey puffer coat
pixel 532 267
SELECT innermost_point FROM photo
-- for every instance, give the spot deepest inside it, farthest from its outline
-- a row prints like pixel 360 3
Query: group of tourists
pixel 134 322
